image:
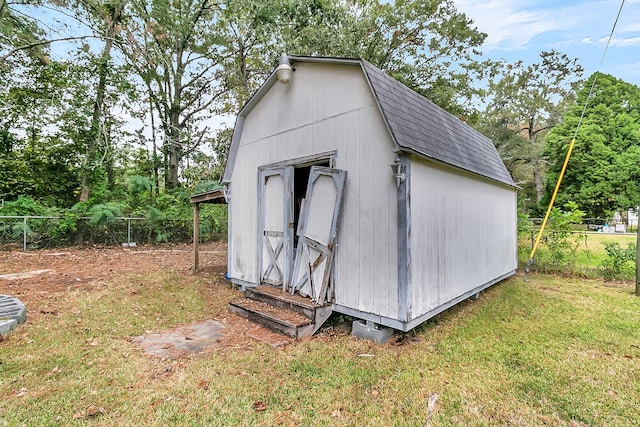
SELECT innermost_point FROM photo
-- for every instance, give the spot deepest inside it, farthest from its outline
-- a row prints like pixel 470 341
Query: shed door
pixel 317 233
pixel 276 226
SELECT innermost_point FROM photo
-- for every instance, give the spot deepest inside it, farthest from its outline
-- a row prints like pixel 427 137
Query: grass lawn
pixel 585 256
pixel 550 351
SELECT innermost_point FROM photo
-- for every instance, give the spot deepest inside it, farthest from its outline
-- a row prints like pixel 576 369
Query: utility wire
pixel 570 150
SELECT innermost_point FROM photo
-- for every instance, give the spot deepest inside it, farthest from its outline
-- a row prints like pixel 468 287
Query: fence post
pixel 24 234
pixel 128 232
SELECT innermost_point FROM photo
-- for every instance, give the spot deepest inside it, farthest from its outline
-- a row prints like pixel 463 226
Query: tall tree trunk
pixel 175 150
pixel 94 134
pixel 537 179
pixel 175 144
pixel 156 163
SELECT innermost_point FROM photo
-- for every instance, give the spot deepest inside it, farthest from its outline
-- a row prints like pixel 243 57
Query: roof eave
pixel 416 153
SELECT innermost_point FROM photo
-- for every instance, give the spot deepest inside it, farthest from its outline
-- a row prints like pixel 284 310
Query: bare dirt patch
pixel 89 269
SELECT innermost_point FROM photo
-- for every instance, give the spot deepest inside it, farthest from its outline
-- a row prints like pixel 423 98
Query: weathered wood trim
pixel 242 284
pixel 308 160
pixel 302 261
pixel 458 169
pixel 196 236
pixel 233 150
pixel 364 315
pixel 404 242
pixel 429 314
pixel 407 326
pixel 515 252
pixel 287 239
pixel 230 244
pixel 213 196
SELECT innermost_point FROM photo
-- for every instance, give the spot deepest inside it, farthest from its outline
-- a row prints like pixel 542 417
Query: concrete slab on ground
pixel 25 275
pixel 176 342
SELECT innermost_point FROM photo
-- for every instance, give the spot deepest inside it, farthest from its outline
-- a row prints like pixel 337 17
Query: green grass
pixel 586 257
pixel 549 351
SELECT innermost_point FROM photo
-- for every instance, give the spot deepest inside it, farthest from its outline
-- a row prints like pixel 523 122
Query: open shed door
pixel 317 233
pixel 276 234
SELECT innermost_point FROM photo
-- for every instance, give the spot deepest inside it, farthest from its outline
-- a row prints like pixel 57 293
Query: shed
pixel 316 209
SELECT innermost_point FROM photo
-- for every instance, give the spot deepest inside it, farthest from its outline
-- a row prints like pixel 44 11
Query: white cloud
pixel 521 29
pixel 621 42
pixel 512 24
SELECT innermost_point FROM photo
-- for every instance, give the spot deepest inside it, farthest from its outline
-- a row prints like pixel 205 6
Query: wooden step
pixel 277 319
pixel 278 298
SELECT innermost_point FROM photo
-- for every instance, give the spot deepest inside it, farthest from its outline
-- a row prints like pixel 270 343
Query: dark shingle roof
pixel 419 125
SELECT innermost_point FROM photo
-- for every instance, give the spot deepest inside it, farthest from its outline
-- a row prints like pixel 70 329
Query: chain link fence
pixel 41 232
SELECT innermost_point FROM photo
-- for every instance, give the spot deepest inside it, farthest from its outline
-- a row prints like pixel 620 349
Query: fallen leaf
pixel 78 415
pixel 336 413
pixel 93 411
pixel 611 393
pixel 259 406
pixel 431 405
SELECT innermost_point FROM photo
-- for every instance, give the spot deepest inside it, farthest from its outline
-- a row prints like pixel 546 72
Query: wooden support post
pixel 638 259
pixel 196 235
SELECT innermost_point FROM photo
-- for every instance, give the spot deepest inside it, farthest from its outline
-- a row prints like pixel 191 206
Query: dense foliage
pixel 133 107
pixel 604 170
pixel 180 68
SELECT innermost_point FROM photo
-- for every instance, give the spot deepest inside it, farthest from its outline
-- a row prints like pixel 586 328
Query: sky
pixel 521 29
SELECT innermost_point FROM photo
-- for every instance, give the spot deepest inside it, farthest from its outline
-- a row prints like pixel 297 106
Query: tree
pixel 427 45
pixel 36 104
pixel 109 17
pixel 603 174
pixel 173 46
pixel 525 102
pixel 19 33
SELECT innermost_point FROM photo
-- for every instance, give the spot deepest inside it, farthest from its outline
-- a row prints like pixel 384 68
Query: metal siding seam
pixel 404 250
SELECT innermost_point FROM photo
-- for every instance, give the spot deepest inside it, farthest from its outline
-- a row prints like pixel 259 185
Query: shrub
pixel 619 260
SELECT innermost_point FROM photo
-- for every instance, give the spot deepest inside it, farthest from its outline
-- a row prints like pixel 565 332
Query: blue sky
pixel 521 29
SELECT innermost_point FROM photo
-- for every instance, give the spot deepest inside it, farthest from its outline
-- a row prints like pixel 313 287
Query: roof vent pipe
pixel 284 70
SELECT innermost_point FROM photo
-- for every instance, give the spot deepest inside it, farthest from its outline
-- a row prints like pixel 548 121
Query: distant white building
pixel 632 217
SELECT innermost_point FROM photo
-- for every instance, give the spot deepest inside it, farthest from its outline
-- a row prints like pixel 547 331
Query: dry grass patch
pixel 545 352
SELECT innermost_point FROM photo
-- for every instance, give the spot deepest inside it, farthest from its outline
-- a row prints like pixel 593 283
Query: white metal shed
pixel 315 208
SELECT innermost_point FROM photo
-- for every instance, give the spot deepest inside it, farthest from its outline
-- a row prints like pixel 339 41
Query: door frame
pixel 286 169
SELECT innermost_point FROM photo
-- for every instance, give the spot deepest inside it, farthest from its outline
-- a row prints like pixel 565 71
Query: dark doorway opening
pixel 300 181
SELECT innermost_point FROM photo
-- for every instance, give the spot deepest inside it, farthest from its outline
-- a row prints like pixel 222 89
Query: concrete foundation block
pixel 371 331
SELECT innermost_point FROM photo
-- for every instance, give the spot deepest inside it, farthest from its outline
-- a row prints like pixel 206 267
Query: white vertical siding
pixel 325 107
pixel 462 234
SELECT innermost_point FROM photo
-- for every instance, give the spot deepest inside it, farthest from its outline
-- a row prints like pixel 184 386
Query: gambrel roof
pixel 419 125
pixel 415 124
